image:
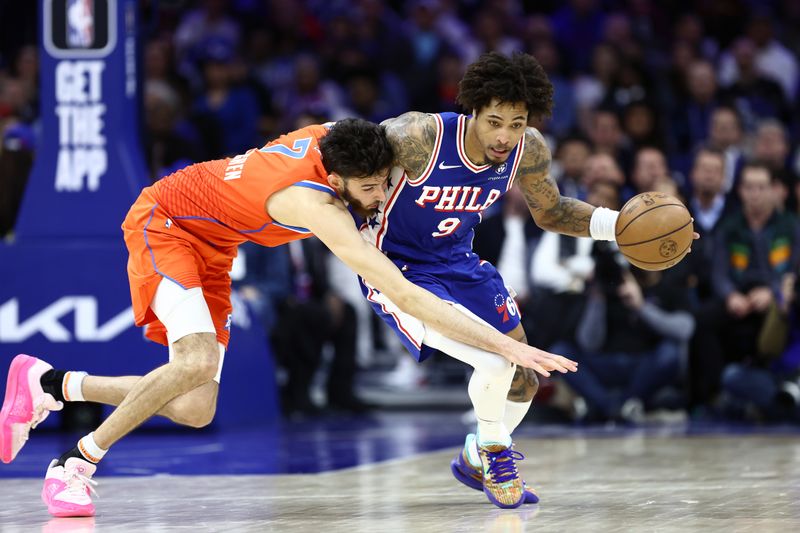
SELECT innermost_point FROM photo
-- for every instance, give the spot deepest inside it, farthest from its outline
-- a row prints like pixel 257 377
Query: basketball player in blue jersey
pixel 449 169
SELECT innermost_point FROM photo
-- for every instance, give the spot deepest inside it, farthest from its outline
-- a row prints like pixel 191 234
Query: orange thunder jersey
pixel 223 202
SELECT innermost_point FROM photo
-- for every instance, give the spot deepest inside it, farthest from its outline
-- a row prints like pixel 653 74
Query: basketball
pixel 654 230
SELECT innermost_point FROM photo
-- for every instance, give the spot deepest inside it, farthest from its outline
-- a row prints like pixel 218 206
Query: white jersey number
pixel 447 226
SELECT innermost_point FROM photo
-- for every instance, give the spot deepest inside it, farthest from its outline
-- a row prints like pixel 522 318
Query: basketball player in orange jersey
pixel 182 234
pixel 449 168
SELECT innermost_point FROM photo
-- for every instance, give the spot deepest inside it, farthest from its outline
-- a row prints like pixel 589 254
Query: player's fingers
pixel 568 363
pixel 561 367
pixel 531 361
pixel 561 361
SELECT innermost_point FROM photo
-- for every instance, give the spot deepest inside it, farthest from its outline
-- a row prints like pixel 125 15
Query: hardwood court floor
pixel 632 482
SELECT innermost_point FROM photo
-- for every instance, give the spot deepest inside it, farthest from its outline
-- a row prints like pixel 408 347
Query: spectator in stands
pixel 427 48
pixel 603 167
pixel 231 109
pixel 754 95
pixel 642 125
pixel 564 117
pixel 755 247
pixel 607 137
pixel 725 133
pixel 691 117
pixel 708 205
pixel 767 387
pixel 166 148
pixel 771 147
pixel 310 91
pixel 649 168
pixel 630 338
pixel 592 88
pixel 208 22
pixel 771 58
pixel 571 156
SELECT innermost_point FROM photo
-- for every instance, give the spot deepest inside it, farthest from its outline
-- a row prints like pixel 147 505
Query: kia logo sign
pixel 48 321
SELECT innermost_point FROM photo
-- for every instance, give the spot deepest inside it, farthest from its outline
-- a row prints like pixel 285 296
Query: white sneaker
pixel 67 489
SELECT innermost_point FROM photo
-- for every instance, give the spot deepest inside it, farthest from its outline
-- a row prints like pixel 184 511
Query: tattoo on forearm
pixel 540 193
pixel 523 386
pixel 413 137
pixel 552 211
pixel 570 216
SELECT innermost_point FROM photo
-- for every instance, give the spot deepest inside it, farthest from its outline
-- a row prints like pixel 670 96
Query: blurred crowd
pixel 697 99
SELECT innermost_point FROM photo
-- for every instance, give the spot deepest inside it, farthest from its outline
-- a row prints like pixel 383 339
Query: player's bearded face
pixel 496 130
pixel 365 194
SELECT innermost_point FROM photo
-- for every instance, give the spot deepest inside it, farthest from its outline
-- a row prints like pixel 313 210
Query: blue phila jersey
pixel 431 219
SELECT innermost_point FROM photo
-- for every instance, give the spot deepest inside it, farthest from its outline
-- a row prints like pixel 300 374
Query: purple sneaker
pixel 472 476
pixel 501 481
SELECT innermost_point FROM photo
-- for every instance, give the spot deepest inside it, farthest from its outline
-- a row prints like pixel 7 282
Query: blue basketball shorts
pixel 474 287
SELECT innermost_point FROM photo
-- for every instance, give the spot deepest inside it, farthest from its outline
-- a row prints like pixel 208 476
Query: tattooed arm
pixel 550 210
pixel 413 137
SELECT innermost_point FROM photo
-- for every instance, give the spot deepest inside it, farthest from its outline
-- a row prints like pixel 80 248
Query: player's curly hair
pixel 519 78
pixel 356 148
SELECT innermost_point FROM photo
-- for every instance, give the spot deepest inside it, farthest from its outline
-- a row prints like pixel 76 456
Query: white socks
pixel 488 386
pixel 71 387
pixel 89 448
pixel 515 413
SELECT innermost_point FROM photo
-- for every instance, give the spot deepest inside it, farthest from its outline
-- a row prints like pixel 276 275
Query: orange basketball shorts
pixel 158 248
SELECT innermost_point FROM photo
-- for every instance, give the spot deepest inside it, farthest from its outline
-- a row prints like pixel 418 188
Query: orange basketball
pixel 654 230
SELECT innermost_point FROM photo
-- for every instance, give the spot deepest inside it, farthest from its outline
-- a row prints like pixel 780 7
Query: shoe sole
pixel 60 513
pixel 503 505
pixel 474 484
pixel 63 513
pixel 13 429
pixel 466 479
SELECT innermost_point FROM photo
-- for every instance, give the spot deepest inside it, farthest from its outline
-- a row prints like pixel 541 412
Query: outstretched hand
pixel 541 361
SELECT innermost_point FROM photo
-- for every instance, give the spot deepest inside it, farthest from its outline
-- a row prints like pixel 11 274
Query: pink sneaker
pixel 67 489
pixel 25 406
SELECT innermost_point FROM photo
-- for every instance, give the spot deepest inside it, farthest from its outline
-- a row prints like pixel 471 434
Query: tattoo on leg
pixel 523 386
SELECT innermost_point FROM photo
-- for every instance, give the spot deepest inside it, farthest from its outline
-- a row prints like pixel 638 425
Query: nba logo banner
pixel 80 28
pixel 80 23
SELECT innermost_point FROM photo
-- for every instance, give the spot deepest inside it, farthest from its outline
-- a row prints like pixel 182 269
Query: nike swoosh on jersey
pixel 442 166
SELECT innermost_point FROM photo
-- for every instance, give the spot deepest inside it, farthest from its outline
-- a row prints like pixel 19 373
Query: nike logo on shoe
pixel 442 166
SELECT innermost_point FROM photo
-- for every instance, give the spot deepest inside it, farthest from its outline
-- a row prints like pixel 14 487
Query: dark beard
pixel 357 207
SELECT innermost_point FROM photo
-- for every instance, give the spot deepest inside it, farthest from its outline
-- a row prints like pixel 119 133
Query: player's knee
pixel 206 367
pixel 197 357
pixel 496 366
